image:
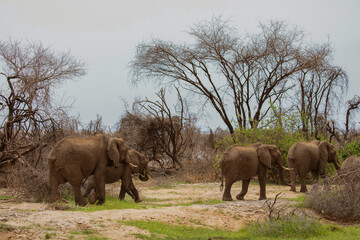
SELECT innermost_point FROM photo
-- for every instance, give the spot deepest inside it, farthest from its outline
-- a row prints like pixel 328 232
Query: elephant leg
pixel 134 191
pixel 99 186
pixel 303 184
pixel 227 194
pixel 127 185
pixel 54 185
pixel 122 192
pixel 292 176
pixel 262 182
pixel 244 189
pixel 87 186
pixel 77 192
pixel 315 176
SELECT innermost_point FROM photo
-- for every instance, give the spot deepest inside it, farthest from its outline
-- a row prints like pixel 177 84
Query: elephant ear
pixel 113 152
pixel 324 152
pixel 264 155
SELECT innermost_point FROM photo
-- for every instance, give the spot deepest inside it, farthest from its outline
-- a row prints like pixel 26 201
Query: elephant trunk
pixel 145 175
pixel 281 176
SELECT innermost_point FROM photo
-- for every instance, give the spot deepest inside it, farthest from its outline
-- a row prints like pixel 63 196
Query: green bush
pixel 351 148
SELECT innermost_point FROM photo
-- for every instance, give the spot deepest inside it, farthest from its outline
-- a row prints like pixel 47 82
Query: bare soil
pixel 29 220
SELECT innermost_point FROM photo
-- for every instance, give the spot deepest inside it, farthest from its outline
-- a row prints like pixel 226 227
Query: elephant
pixel 304 157
pixel 124 173
pixel 350 170
pixel 74 158
pixel 245 162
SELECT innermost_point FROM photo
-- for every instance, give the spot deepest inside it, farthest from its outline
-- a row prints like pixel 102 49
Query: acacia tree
pixel 30 72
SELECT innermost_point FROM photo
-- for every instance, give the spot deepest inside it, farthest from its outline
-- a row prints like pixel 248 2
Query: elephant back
pixel 351 163
pixel 350 169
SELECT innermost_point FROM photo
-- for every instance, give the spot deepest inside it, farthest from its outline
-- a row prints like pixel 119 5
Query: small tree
pixel 171 133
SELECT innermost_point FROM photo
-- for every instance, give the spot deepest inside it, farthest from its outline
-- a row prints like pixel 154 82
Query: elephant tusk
pixel 150 178
pixel 289 169
pixel 133 165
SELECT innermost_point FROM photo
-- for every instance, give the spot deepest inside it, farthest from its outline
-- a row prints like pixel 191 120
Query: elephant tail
pixel 222 182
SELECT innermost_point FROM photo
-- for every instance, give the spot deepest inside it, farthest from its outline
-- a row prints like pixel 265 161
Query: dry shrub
pixel 200 170
pixel 28 182
pixel 339 199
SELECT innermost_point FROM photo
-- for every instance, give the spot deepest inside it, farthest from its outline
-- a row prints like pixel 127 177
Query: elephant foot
pixel 81 203
pixel 100 202
pixel 227 198
pixel 92 199
pixel 303 190
pixel 138 200
pixel 262 198
pixel 293 189
pixel 240 197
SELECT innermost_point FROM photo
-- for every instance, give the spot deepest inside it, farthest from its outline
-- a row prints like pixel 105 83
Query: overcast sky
pixel 105 33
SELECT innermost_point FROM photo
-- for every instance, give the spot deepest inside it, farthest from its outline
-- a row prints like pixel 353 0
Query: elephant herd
pixel 243 163
pixel 90 163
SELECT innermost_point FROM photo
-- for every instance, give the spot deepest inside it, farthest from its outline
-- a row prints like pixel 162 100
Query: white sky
pixel 105 33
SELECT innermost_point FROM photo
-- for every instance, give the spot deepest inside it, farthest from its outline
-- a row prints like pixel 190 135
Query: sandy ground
pixel 26 220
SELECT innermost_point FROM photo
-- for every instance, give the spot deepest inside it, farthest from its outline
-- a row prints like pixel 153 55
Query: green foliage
pixel 282 133
pixel 288 227
pixel 351 148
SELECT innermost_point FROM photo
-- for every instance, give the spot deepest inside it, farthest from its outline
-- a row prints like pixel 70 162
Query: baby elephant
pixel 123 172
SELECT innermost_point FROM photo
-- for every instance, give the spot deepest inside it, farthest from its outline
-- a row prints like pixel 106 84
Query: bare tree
pixel 353 105
pixel 321 85
pixel 248 74
pixel 172 133
pixel 31 73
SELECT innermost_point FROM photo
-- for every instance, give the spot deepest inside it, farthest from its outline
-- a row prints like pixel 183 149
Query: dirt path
pixel 177 205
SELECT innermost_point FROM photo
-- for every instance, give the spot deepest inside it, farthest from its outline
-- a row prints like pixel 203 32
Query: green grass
pixel 163 186
pixel 201 202
pixel 159 230
pixel 294 229
pixel 110 203
pixel 5 197
pixel 90 234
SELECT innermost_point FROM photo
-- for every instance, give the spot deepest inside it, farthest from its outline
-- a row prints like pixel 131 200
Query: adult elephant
pixel 311 157
pixel 245 162
pixel 73 158
pixel 123 172
pixel 350 170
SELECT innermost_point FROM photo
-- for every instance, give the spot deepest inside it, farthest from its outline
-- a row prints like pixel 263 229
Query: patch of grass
pixel 5 228
pixel 163 186
pixel 49 235
pixel 291 230
pixel 289 227
pixel 83 232
pixel 5 197
pixel 111 203
pixel 160 230
pixel 201 202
